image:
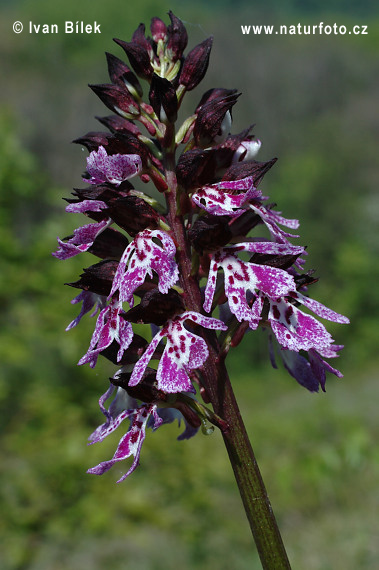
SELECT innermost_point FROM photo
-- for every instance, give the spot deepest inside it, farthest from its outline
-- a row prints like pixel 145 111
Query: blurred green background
pixel 314 100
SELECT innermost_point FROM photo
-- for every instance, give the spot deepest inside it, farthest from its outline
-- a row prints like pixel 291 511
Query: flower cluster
pixel 155 255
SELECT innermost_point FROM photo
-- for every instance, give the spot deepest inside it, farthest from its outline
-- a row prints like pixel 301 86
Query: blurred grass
pixel 316 107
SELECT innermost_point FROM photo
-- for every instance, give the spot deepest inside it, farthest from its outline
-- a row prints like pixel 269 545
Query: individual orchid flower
pixel 81 241
pixel 184 351
pixel 84 236
pixel 242 277
pixel 296 330
pixel 226 197
pixel 110 326
pixel 131 442
pixel 141 258
pixel 113 168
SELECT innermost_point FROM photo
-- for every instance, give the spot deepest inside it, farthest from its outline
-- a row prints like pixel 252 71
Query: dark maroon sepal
pixel 156 307
pixel 252 168
pixel 120 74
pixel 132 214
pixel 119 125
pixel 163 99
pixel 97 278
pixel 158 30
pixel 209 233
pixel 214 93
pixel 196 64
pixel 138 58
pixel 115 97
pixel 177 38
pixel 109 243
pixel 210 117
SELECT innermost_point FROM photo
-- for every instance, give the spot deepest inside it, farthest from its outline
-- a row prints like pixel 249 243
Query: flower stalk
pixel 176 268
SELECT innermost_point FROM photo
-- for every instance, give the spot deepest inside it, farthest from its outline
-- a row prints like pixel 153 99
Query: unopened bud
pixel 158 30
pixel 214 120
pixel 138 57
pixel 120 74
pixel 177 38
pixel 163 99
pixel 196 64
pixel 117 99
pixel 132 214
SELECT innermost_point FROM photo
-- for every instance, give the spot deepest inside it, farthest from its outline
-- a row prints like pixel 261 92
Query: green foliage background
pixel 314 100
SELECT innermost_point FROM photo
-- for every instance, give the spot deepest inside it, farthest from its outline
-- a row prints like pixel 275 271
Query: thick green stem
pixel 217 384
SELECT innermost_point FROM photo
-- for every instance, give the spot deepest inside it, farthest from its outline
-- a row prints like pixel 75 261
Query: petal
pixel 86 206
pixel 295 330
pixel 301 370
pixel 211 286
pixel 207 322
pixel 81 241
pixel 131 442
pixel 113 168
pixel 321 310
pixel 171 376
pixel 142 363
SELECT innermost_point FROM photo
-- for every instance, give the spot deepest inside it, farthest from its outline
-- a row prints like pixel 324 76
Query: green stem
pixel 217 384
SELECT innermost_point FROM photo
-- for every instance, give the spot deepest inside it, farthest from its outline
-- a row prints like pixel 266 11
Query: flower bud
pixel 196 64
pixel 109 243
pixel 158 30
pixel 209 233
pixel 214 93
pixel 163 99
pixel 140 39
pixel 214 120
pixel 190 167
pixel 132 214
pixel 117 124
pixel 177 38
pixel 120 74
pixel 117 99
pixel 138 57
pixel 156 307
pixel 93 140
pixel 97 278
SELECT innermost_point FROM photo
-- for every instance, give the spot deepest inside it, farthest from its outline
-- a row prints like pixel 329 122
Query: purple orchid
pixel 110 326
pixel 242 277
pixel 184 351
pixel 131 442
pixel 296 330
pixel 141 416
pixel 113 168
pixel 201 229
pixel 81 241
pixel 84 236
pixel 226 197
pixel 141 258
pixel 232 198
